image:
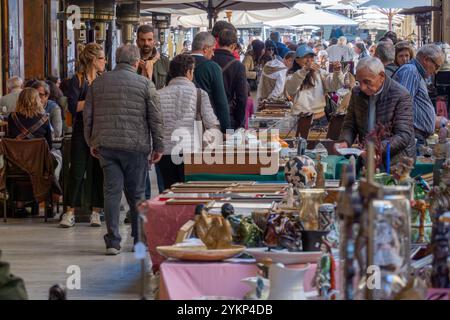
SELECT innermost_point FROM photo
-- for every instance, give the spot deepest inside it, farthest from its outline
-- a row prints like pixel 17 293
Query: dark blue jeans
pixel 122 170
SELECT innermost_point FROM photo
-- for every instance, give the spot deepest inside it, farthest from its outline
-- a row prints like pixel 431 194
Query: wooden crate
pixel 228 163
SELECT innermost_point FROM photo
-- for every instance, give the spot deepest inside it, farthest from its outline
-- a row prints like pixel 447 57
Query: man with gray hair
pixel 208 76
pixel 379 100
pixel 123 126
pixel 385 51
pixel 14 86
pixel 413 76
pixel 340 51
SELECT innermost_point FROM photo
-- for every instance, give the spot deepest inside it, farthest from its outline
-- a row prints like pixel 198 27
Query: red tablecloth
pixel 163 223
pixel 190 280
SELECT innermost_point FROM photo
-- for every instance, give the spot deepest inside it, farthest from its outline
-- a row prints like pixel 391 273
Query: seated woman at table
pixel 308 86
pixel 182 103
pixel 29 121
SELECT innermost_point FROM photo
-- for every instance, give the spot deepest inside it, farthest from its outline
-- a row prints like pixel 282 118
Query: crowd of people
pixel 123 120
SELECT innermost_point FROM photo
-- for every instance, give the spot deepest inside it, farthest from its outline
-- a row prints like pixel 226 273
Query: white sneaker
pixel 68 220
pixel 95 220
pixel 112 252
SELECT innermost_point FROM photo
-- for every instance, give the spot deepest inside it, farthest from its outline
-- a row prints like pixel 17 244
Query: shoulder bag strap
pixel 198 109
pixel 229 64
pixel 28 133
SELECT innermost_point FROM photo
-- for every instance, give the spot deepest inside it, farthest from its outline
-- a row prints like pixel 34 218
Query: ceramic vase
pixel 286 283
pixel 310 201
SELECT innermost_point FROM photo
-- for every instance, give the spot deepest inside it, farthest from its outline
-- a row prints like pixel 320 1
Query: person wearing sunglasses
pixel 413 76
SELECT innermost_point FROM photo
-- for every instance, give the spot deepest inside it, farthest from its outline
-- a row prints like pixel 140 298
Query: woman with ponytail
pixel 85 172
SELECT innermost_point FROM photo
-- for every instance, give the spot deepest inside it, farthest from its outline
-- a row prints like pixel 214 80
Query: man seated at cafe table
pixel 379 100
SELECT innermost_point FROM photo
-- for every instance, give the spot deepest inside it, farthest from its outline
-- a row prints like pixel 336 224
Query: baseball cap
pixel 303 51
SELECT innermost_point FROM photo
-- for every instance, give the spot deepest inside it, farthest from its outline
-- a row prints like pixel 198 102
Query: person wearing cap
pixel 273 77
pixel 308 86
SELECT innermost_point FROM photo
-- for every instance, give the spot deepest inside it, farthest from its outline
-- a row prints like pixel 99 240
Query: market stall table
pixel 181 280
pixel 163 223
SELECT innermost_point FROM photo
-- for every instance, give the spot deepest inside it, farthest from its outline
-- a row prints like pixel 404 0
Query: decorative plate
pixel 199 253
pixel 284 256
pixel 350 151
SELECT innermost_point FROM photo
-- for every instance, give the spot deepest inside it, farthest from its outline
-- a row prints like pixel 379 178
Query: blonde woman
pixel 30 115
pixel 83 166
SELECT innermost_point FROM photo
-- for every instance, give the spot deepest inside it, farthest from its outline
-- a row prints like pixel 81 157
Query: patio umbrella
pixel 213 7
pixel 391 8
pixel 240 19
pixel 315 18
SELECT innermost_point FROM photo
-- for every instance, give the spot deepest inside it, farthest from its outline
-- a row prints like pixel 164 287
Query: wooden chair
pixel 16 179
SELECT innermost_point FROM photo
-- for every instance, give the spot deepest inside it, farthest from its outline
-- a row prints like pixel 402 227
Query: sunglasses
pixel 42 95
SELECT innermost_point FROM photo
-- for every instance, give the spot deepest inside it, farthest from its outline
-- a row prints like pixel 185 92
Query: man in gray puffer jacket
pixel 123 125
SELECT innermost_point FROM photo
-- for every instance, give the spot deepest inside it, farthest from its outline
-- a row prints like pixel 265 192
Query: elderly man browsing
pixel 123 125
pixel 413 76
pixel 379 100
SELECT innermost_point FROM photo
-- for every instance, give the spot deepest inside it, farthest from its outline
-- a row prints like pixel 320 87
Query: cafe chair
pixel 26 174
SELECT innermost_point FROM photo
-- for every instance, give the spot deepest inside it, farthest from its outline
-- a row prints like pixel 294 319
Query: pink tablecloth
pixel 163 223
pixel 189 280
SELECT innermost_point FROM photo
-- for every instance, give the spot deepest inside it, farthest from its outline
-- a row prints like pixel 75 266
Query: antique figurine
pixel 324 280
pixel 402 170
pixel 284 231
pixel 202 221
pixel 443 134
pixel 320 181
pixel 214 231
pixel 289 199
pixel 421 206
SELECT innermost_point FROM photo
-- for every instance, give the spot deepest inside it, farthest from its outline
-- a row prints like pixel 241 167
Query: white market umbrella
pixel 390 8
pixel 213 7
pixel 315 18
pixel 240 19
pixel 396 4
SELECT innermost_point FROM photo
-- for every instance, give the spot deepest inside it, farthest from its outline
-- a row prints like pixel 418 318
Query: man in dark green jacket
pixel 208 76
pixel 149 55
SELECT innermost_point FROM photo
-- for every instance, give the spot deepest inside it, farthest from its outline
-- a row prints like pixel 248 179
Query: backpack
pixel 11 287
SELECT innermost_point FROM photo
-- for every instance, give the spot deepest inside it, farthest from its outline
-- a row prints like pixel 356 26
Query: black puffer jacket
pixel 393 109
